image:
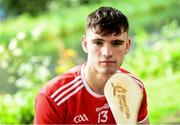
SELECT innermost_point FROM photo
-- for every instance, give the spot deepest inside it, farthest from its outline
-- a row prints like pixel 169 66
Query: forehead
pixel 92 35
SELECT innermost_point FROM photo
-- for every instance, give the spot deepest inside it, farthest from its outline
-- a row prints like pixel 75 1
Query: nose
pixel 107 52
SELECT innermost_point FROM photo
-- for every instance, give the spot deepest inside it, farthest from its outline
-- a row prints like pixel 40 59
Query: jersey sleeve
pixel 46 111
pixel 143 112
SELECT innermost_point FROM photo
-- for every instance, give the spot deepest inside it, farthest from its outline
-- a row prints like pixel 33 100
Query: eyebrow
pixel 118 40
pixel 99 39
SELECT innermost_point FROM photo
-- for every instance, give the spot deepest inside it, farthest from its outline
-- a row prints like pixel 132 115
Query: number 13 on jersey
pixel 103 116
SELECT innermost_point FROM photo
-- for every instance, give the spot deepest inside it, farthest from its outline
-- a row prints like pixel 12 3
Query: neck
pixel 95 80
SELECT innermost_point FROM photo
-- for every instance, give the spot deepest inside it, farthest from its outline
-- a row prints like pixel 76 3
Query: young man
pixel 77 97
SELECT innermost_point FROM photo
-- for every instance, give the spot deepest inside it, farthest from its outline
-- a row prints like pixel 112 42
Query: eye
pixel 117 42
pixel 98 42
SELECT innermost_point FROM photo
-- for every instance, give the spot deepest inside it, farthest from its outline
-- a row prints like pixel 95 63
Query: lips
pixel 107 62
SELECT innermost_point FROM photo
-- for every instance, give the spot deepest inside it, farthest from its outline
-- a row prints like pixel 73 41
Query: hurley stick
pixel 124 96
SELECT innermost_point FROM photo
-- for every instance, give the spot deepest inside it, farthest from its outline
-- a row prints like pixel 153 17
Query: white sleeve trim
pixel 143 119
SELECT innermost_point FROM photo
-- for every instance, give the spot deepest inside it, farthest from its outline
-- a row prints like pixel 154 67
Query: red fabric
pixel 67 100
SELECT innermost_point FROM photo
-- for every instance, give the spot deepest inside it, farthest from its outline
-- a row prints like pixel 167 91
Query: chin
pixel 108 70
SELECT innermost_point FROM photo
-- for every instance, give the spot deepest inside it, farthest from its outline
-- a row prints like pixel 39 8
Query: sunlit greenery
pixel 156 60
pixel 36 47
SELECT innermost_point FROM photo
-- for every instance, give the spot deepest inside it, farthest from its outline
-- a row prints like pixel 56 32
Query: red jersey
pixel 67 99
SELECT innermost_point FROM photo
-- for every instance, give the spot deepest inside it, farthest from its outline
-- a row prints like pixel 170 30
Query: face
pixel 105 53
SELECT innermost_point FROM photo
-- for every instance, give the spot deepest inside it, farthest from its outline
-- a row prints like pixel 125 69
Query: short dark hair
pixel 107 21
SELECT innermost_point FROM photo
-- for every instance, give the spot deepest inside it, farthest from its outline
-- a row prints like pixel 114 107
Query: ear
pixel 84 44
pixel 128 45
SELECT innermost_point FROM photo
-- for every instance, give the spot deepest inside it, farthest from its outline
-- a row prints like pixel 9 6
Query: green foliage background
pixel 39 41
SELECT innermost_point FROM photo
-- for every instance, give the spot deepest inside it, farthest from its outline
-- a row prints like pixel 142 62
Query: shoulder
pixel 71 76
